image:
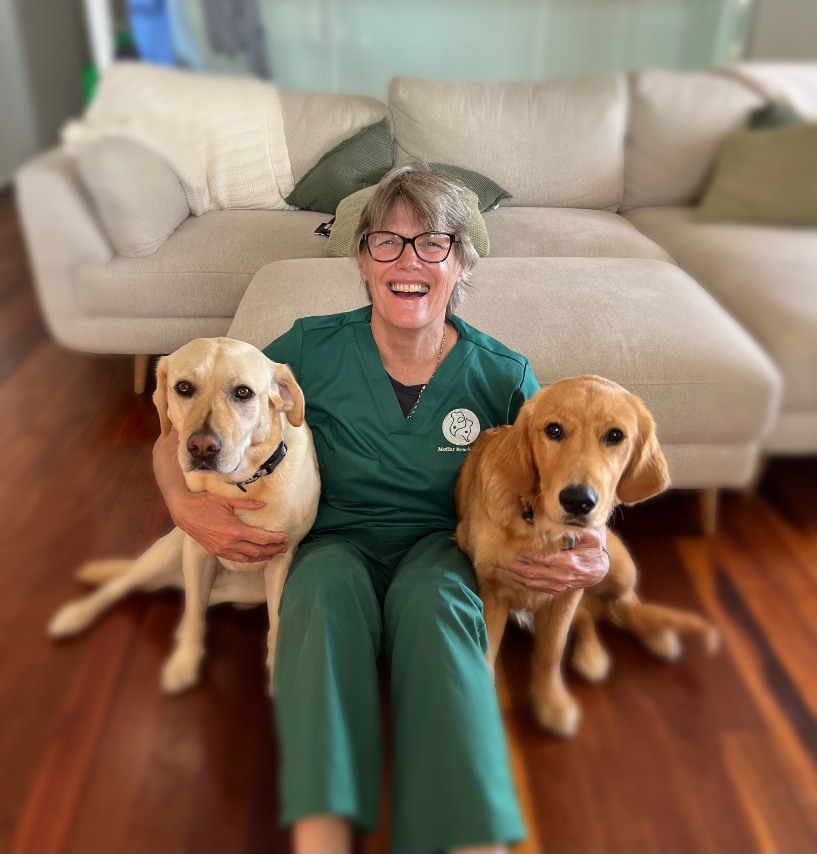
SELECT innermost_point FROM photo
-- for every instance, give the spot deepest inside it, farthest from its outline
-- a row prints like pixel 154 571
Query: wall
pixel 358 45
pixel 784 29
pixel 42 54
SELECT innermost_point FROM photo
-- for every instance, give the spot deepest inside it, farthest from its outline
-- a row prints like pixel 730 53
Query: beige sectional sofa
pixel 594 265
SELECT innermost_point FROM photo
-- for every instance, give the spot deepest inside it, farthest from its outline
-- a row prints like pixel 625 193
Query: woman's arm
pixel 583 565
pixel 210 519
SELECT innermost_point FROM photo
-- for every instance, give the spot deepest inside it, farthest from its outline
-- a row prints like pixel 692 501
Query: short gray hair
pixel 437 203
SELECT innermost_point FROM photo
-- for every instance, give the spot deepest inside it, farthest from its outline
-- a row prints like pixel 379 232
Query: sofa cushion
pixel 677 122
pixel 645 324
pixel 553 143
pixel 350 209
pixel 202 270
pixel 315 122
pixel 138 197
pixel 774 116
pixel 357 162
pixel 567 232
pixel 764 277
pixel 767 176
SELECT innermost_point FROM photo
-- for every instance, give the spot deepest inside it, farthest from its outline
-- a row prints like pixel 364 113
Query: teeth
pixel 408 288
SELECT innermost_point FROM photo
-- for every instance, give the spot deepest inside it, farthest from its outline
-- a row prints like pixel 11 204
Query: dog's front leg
pixel 555 709
pixel 496 612
pixel 199 569
pixel 275 574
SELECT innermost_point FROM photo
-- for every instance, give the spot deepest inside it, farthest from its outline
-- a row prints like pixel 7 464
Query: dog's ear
pixel 514 467
pixel 646 474
pixel 160 396
pixel 285 394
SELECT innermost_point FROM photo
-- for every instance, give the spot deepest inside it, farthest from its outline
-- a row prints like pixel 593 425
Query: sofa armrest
pixel 61 231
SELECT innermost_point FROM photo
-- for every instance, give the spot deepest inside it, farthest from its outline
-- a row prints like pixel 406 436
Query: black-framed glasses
pixel 430 246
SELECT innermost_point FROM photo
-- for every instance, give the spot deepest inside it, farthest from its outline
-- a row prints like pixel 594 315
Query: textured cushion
pixel 138 197
pixel 774 116
pixel 489 193
pixel 357 162
pixel 551 143
pixel 766 177
pixel 677 121
pixel 350 209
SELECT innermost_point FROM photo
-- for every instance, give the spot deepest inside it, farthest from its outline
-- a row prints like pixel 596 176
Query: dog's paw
pixel 591 661
pixel 557 713
pixel 665 644
pixel 70 620
pixel 180 672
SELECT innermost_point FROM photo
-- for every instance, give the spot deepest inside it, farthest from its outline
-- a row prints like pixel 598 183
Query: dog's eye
pixel 554 431
pixel 613 437
pixel 184 388
pixel 243 392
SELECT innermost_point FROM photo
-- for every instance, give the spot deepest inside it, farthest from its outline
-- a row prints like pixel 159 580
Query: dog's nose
pixel 578 500
pixel 203 445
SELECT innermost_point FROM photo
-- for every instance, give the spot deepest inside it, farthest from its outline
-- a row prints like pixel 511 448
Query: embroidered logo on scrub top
pixel 461 427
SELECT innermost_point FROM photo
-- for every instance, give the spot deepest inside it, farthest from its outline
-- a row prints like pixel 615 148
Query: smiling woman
pixel 395 393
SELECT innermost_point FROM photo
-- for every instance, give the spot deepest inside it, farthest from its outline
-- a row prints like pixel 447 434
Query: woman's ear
pixel 160 396
pixel 285 394
pixel 646 474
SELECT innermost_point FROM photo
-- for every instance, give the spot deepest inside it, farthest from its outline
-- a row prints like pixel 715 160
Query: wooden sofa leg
pixel 141 363
pixel 708 510
pixel 758 474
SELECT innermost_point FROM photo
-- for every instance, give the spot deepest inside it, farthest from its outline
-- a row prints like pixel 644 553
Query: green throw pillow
pixel 774 116
pixel 357 162
pixel 490 194
pixel 350 209
pixel 764 177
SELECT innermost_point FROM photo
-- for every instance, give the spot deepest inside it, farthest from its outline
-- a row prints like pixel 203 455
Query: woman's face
pixel 409 293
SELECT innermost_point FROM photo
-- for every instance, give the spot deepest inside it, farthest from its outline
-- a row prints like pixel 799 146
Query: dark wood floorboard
pixel 710 754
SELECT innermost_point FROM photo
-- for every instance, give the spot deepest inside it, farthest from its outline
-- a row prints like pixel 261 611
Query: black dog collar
pixel 268 468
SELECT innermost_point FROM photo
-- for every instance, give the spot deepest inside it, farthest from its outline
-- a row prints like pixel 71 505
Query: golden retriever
pixel 578 448
pixel 240 420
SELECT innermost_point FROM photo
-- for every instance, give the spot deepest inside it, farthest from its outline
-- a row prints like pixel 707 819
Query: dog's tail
pixel 98 572
pixel 652 620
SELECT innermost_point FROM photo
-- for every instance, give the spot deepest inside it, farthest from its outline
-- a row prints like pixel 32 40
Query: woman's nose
pixel 408 257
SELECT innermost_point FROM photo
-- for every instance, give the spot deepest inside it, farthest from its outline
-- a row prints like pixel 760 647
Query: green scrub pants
pixel 344 602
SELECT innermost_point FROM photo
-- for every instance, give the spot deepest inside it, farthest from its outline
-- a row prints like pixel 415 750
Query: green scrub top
pixel 384 478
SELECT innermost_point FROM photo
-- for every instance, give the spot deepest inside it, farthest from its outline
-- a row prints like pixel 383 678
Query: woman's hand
pixel 583 565
pixel 209 519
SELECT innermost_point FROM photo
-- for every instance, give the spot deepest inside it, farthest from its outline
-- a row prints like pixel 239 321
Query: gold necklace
pixel 425 385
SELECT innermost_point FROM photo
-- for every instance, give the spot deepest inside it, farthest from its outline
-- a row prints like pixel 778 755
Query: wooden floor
pixel 706 755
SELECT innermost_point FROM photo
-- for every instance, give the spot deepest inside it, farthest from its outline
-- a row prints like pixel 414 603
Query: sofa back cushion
pixel 550 143
pixel 677 122
pixel 316 122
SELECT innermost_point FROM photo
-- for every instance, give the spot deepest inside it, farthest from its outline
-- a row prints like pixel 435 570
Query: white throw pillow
pixel 137 195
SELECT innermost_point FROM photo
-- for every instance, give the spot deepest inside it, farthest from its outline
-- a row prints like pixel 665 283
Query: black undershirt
pixel 406 394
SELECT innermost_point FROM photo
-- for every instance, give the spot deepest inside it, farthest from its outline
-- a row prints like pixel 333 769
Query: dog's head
pixel 589 444
pixel 224 397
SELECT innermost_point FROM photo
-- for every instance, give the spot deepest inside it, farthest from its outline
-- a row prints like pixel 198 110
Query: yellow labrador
pixel 240 420
pixel 577 449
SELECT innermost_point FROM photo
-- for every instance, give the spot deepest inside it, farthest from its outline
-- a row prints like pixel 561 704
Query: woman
pixel 394 391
